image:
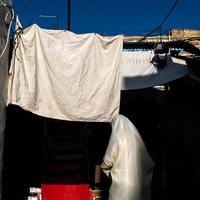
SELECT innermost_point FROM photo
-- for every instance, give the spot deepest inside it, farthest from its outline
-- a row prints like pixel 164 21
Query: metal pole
pixel 69 21
pixel 57 22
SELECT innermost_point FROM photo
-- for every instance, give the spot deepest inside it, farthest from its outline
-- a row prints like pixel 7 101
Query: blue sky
pixel 110 17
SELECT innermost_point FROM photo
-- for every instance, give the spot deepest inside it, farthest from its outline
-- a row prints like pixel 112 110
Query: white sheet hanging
pixel 139 70
pixel 62 75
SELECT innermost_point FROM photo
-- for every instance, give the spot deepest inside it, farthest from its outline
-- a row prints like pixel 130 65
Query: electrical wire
pixel 25 7
pixel 13 17
pixel 159 27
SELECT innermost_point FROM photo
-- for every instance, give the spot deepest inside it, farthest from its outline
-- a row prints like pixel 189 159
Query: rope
pixel 8 29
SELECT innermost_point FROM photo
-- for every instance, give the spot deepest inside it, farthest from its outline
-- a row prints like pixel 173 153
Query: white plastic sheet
pixel 139 70
pixel 127 162
pixel 62 75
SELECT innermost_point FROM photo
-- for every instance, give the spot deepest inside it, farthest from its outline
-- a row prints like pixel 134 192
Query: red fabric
pixel 65 192
pixel 90 195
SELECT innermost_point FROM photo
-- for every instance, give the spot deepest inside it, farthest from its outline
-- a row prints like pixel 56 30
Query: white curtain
pixel 62 75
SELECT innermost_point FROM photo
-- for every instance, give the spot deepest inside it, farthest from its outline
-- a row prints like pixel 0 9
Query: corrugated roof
pixel 174 45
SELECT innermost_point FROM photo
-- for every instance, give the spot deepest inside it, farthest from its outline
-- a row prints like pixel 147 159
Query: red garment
pixel 65 192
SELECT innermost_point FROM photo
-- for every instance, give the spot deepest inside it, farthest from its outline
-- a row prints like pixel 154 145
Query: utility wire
pixel 161 23
pixel 169 13
pixel 25 7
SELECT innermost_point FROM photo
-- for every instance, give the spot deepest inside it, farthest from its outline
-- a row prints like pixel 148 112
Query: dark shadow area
pixel 168 121
pixel 23 152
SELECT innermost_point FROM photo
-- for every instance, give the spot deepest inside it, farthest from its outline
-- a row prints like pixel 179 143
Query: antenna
pixel 50 17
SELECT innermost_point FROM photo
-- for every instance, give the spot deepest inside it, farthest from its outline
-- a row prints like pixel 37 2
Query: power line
pixel 25 7
pixel 161 23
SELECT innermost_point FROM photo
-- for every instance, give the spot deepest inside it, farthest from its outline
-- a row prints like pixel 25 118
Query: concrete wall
pixel 190 35
pixel 4 63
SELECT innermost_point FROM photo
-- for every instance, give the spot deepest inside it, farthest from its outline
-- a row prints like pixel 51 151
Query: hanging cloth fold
pixel 139 70
pixel 62 75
